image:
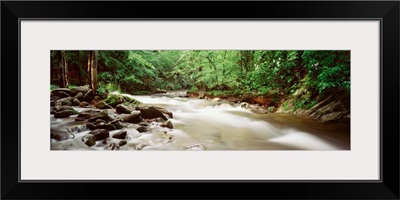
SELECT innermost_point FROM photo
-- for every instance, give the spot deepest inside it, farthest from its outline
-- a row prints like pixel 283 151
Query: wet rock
pixel 65 113
pixel 113 146
pixel 151 112
pixel 97 117
pixel 76 102
pixel 89 95
pixel 84 104
pixel 87 114
pixel 159 119
pixel 122 143
pixel 52 110
pixel 117 124
pixel 133 118
pixel 196 147
pixel 100 121
pixel 107 126
pixel 142 129
pixel 100 134
pixel 103 105
pixel 61 108
pixel 143 124
pixel 167 124
pixel 64 102
pixel 89 140
pixel 52 103
pixel 108 115
pixel 63 94
pixel 60 92
pixel 80 89
pixel 121 109
pixel 120 135
pixel 79 96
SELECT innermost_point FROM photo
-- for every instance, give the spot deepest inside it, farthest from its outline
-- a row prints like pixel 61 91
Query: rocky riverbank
pixel 334 108
pixel 111 121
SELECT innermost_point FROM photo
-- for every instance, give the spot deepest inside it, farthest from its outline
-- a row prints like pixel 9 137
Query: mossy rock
pixel 115 99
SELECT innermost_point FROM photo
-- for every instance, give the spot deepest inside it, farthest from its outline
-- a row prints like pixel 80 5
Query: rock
pixel 61 108
pixel 84 104
pixel 100 121
pixel 65 113
pixel 87 114
pixel 103 105
pixel 113 146
pixel 80 89
pixel 89 95
pixel 121 109
pixel 52 103
pixel 142 129
pixel 63 94
pixel 108 115
pixel 122 143
pixel 79 96
pixel 196 147
pixel 108 126
pixel 100 134
pixel 76 102
pixel 159 119
pixel 89 140
pixel 52 110
pixel 117 124
pixel 151 112
pixel 167 124
pixel 97 117
pixel 64 102
pixel 120 135
pixel 115 99
pixel 60 92
pixel 164 111
pixel 91 126
pixel 133 118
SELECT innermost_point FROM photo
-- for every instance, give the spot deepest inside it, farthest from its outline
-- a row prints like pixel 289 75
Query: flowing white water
pixel 218 125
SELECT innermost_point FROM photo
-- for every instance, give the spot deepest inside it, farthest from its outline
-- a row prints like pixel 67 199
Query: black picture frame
pixel 386 11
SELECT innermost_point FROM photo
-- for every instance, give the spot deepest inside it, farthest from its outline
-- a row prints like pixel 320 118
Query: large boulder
pixel 65 113
pixel 80 89
pixel 151 112
pixel 100 134
pixel 121 109
pixel 120 135
pixel 60 92
pixel 76 102
pixel 132 118
pixel 67 101
pixel 79 96
pixel 89 95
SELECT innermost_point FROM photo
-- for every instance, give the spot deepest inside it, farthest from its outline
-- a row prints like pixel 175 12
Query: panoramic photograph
pixel 195 100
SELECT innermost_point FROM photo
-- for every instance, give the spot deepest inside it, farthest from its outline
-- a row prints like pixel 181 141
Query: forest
pixel 274 75
pixel 310 83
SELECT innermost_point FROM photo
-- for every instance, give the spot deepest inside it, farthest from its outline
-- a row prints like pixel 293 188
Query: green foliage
pixel 276 74
pixel 52 87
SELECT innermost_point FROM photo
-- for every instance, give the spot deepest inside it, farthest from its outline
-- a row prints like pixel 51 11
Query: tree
pixel 62 69
pixel 92 70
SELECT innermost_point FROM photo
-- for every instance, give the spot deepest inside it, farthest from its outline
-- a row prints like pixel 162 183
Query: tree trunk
pixel 62 69
pixel 92 70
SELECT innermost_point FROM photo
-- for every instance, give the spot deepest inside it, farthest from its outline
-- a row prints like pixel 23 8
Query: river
pixel 218 125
